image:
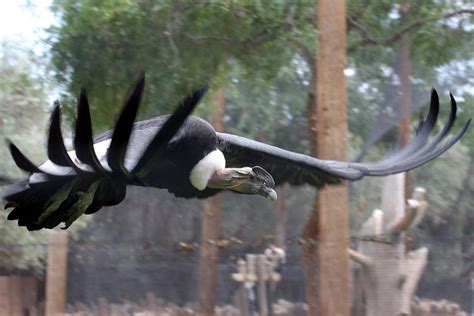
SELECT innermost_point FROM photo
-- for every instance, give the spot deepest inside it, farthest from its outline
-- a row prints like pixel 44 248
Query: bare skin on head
pixel 255 180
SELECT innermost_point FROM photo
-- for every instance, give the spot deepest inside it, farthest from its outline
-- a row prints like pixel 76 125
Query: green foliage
pixel 23 99
pixel 273 112
pixel 23 112
pixel 439 33
pixel 22 119
pixel 21 250
pixel 179 44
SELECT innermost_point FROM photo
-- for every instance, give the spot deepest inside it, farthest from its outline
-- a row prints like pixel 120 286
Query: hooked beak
pixel 269 193
pixel 245 180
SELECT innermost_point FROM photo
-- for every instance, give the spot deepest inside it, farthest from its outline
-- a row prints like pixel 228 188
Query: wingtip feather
pixel 57 152
pixel 83 142
pixel 170 127
pixel 20 160
pixel 123 129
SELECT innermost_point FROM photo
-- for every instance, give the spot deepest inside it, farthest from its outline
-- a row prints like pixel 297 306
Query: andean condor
pixel 184 155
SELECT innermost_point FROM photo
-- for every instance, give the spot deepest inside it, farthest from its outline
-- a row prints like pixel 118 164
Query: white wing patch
pixel 51 168
pixel 205 168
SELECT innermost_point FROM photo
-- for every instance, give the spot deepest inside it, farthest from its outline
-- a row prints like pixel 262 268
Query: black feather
pixel 83 139
pixel 123 130
pixel 57 152
pixel 168 130
pixel 20 160
pixel 286 166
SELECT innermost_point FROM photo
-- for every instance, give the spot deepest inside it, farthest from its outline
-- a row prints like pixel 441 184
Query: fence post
pixel 261 285
pixel 56 273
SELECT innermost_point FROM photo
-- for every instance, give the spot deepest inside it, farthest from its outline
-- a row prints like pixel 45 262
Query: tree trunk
pixel 390 273
pixel 326 267
pixel 405 99
pixel 281 214
pixel 211 228
pixel 404 73
pixel 311 112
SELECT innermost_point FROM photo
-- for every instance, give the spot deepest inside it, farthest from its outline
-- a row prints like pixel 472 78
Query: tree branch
pixel 367 38
pixel 207 38
pixel 306 53
pixel 405 221
pixel 353 23
pixel 420 22
pixel 359 258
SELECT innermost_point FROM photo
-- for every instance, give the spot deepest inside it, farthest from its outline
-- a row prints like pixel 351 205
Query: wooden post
pixel 4 295
pixel 281 216
pixel 211 228
pixel 18 294
pixel 243 301
pixel 102 307
pixel 404 73
pixel 326 235
pixel 56 273
pixel 261 286
pixel 259 271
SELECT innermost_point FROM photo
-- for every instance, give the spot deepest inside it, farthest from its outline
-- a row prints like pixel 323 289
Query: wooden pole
pixel 281 215
pixel 405 100
pixel 5 304
pixel 326 261
pixel 211 229
pixel 261 285
pixel 56 273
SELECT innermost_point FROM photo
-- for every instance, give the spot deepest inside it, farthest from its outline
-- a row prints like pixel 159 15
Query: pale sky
pixel 23 24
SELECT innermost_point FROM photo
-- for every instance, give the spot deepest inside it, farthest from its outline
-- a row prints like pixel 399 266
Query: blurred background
pixel 144 255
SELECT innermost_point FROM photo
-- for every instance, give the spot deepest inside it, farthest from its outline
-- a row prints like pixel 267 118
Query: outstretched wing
pixel 82 181
pixel 294 168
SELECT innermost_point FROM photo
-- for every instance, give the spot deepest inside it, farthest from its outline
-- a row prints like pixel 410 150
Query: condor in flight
pixel 186 156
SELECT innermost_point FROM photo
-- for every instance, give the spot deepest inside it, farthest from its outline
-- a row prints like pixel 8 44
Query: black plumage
pixel 163 151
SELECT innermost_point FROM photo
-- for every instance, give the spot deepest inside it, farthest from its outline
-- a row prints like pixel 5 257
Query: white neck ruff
pixel 205 168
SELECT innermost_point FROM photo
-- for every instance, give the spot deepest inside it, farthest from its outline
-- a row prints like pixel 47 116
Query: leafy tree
pixel 23 100
pixel 439 32
pixel 24 104
pixel 265 55
pixel 22 118
pixel 179 44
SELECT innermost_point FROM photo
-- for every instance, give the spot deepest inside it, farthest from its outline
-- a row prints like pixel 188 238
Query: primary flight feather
pixel 186 156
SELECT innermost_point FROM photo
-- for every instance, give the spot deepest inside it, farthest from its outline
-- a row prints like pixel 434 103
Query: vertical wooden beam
pixel 56 273
pixel 405 99
pixel 103 307
pixel 5 295
pixel 261 286
pixel 325 258
pixel 405 88
pixel 211 228
pixel 332 202
pixel 29 288
pixel 16 296
pixel 404 73
pixel 281 215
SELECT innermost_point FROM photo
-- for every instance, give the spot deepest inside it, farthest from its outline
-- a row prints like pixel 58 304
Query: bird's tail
pixel 60 200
